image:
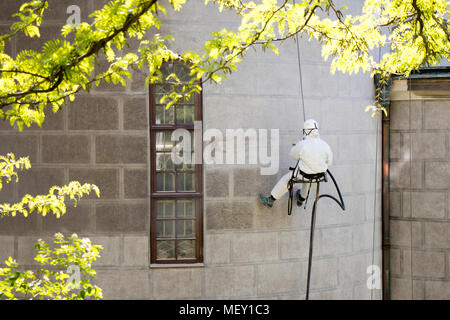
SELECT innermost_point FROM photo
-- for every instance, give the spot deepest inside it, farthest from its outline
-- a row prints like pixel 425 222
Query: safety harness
pixel 306 178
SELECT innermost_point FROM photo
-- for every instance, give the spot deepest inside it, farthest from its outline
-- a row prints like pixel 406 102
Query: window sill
pixel 176 265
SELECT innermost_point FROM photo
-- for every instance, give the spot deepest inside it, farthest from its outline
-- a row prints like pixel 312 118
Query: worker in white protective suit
pixel 314 157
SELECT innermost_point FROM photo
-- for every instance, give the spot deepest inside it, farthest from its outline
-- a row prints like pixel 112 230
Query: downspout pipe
pixel 385 213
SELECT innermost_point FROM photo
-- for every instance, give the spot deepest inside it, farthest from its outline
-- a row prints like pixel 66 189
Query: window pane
pixel 163 115
pixel 165 229
pixel 162 89
pixel 165 181
pixel 164 161
pixel 186 208
pixel 185 165
pixel 163 141
pixel 185 182
pixel 185 228
pixel 165 249
pixel 186 249
pixel 182 72
pixel 165 208
pixel 185 114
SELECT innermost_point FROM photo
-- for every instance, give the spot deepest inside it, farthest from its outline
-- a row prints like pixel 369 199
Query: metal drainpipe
pixel 386 241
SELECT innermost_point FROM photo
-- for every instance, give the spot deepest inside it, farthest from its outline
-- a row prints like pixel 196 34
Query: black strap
pixel 290 187
pixel 312 177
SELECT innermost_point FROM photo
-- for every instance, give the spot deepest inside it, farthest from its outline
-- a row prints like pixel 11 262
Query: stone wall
pixel 420 166
pixel 250 251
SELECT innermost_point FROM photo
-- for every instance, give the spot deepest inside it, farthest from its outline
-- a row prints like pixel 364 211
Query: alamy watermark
pixel 374 279
pixel 73 282
pixel 231 146
pixel 75 14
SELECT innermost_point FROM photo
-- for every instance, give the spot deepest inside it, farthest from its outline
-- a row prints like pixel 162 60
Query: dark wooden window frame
pixel 196 195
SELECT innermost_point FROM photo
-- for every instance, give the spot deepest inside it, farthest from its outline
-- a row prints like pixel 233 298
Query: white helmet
pixel 310 126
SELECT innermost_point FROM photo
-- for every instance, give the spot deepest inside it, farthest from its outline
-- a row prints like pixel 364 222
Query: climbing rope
pixel 300 74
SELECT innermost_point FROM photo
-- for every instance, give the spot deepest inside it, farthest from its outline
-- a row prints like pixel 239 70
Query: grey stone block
pixel 7 193
pixel 136 183
pixel 252 247
pixel 216 183
pixel 122 283
pixel 344 294
pixel 136 251
pixel 428 145
pixel 324 273
pixel 436 114
pixel 428 264
pixel 21 145
pixel 8 9
pixel 226 215
pixel 77 219
pixel 121 217
pixel 406 204
pixel 332 241
pixel 437 290
pixel 275 217
pixel 401 289
pixel 93 113
pixel 400 232
pixel 363 236
pixel 437 174
pixel 26 251
pixel 277 278
pixel 329 213
pixel 36 181
pixel 53 121
pixel 395 209
pixel 66 149
pixel 428 204
pixel 233 281
pixel 395 261
pixel 177 284
pixel 217 248
pixel 120 149
pixel 395 145
pixel 400 174
pixel 249 182
pixel 19 225
pixel 361 292
pixel 106 179
pixel 135 114
pixel 417 176
pixel 437 235
pixel 6 248
pixel 416 112
pixel 399 115
pixel 294 244
pixel 110 254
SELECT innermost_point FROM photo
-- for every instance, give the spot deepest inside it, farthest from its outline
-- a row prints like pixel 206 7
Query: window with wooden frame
pixel 176 189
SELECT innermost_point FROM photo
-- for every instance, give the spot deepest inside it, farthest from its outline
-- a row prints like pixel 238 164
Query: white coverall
pixel 315 156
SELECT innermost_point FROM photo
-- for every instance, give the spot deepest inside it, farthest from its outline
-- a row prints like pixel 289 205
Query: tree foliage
pixel 53 202
pixel 66 257
pixel 416 33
